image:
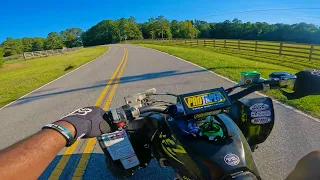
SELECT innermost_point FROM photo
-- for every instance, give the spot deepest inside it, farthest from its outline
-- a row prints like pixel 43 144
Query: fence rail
pixel 37 54
pixel 306 51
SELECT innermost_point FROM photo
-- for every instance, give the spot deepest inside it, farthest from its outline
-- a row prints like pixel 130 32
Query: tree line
pixel 113 31
pixel 109 31
pixel 236 29
pixel 70 37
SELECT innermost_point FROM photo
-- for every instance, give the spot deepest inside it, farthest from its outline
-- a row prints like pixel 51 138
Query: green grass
pixel 230 63
pixel 19 77
pixel 13 61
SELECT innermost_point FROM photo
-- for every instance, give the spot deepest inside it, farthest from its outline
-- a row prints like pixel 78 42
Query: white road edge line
pixel 276 101
pixel 54 80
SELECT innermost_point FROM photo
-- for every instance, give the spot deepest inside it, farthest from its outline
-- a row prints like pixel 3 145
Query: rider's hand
pixel 88 122
pixel 307 83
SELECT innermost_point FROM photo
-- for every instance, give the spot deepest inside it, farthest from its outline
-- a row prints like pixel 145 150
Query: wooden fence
pixel 306 51
pixel 37 54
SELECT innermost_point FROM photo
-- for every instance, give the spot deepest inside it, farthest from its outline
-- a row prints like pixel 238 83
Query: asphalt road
pixel 293 136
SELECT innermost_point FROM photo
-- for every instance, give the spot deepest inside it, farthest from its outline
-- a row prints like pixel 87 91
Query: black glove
pixel 88 122
pixel 307 83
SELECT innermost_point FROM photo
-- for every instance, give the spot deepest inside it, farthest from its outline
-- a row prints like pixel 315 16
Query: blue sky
pixel 35 18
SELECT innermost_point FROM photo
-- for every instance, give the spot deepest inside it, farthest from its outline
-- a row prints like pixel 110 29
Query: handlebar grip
pixel 146 109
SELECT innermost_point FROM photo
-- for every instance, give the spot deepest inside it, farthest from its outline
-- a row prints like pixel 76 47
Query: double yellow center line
pixel 114 81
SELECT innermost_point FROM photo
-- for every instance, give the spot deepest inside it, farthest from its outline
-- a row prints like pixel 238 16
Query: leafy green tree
pixel 71 37
pixel 12 46
pixel 236 28
pixel 109 31
pixel 53 41
pixel 105 32
pixel 187 30
pixel 161 27
pixel 27 44
pixel 157 28
pixel 174 25
pixel 128 29
pixel 38 44
pixel 203 27
pixel 145 30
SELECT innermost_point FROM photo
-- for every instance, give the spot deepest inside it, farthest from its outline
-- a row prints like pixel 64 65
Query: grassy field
pixel 230 63
pixel 18 77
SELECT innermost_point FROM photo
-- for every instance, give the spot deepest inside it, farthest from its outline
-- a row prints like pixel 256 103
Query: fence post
pixel 225 42
pixel 256 46
pixel 311 52
pixel 280 50
pixel 185 42
pixel 197 42
pixel 214 43
pixel 239 44
pixel 204 43
pixel 32 55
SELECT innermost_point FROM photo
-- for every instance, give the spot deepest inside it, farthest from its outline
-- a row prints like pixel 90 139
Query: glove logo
pixel 81 111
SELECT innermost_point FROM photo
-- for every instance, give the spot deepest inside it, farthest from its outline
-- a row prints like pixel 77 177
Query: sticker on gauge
pixel 231 159
pixel 205 99
pixel 118 144
pixel 130 161
pixel 261 114
pixel 259 107
pixel 261 120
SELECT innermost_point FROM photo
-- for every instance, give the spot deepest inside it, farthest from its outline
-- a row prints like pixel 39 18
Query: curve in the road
pixel 293 136
pixel 227 79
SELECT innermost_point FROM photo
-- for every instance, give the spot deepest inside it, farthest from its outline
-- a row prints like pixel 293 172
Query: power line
pixel 261 10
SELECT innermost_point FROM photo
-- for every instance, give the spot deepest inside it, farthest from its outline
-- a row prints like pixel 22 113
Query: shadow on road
pixel 97 169
pixel 126 79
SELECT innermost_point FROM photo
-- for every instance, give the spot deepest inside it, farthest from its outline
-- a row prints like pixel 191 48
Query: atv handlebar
pixel 128 113
pixel 263 85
